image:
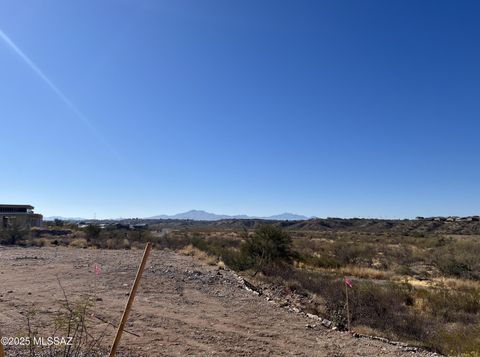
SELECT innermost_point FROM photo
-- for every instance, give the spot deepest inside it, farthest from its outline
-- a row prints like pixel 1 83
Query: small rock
pixel 327 323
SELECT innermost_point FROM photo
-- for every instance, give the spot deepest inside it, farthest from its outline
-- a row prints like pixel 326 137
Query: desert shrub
pixel 79 243
pixel 172 241
pixel 141 235
pixel 117 243
pixel 92 232
pixel 453 267
pixel 71 320
pixel 386 308
pixel 269 241
pixel 402 254
pixel 126 244
pixel 459 258
pixel 321 261
pixel 266 245
pixel 347 253
pixel 224 249
pixel 236 260
pixel 13 235
pixel 452 305
pixel 457 340
pixel 404 270
pixel 40 242
pixel 198 242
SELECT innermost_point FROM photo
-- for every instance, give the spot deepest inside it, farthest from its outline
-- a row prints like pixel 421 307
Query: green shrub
pixel 267 244
pixel 235 260
pixel 200 243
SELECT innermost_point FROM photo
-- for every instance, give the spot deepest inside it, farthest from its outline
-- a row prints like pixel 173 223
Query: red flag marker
pixel 348 282
pixel 97 269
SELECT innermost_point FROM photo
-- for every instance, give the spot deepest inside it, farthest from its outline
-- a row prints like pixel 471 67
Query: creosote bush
pixel 267 244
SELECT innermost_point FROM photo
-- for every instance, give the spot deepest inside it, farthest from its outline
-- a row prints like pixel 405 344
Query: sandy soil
pixel 183 307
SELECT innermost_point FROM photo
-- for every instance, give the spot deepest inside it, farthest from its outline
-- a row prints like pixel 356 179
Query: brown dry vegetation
pixel 424 290
pixel 420 285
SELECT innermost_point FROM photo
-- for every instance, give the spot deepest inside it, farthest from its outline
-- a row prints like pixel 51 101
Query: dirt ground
pixel 183 306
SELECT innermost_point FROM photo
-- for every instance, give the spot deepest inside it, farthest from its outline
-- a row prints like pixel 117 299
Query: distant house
pixel 19 215
pixel 120 226
pixel 139 226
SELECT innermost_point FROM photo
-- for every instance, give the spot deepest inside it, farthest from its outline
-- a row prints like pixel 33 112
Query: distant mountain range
pixel 199 215
pixel 52 218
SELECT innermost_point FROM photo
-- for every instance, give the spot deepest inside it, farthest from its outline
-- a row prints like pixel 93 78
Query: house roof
pixel 15 206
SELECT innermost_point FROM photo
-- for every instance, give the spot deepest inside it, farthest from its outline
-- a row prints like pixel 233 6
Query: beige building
pixel 19 215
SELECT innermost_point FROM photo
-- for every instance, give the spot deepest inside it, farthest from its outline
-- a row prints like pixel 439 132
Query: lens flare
pixel 58 92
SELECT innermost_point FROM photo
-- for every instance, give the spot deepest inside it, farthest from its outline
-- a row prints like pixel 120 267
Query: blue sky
pixel 325 108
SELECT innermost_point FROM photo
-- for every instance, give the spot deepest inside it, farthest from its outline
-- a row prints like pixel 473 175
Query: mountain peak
pixel 200 215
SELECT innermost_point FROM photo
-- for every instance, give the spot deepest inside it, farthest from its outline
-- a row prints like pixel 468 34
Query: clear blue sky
pixel 325 108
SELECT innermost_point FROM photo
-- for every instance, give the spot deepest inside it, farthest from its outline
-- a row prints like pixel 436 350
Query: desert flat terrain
pixel 183 307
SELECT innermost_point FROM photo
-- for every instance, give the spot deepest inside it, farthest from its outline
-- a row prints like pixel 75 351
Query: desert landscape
pixel 184 306
pixel 239 178
pixel 269 288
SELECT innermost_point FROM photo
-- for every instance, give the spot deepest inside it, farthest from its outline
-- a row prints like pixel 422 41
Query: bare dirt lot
pixel 183 307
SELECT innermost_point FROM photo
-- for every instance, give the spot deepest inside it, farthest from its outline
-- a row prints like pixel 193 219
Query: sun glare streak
pixel 58 92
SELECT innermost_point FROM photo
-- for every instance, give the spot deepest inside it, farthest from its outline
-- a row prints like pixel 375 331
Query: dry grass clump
pixel 365 273
pixel 79 243
pixel 40 242
pixel 117 244
pixel 190 250
pixel 187 250
pixel 458 284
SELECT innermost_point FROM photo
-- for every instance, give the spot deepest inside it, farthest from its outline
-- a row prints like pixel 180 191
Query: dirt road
pixel 183 307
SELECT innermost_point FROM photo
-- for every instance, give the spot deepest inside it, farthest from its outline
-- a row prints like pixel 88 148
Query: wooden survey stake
pixel 2 353
pixel 348 309
pixel 128 307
